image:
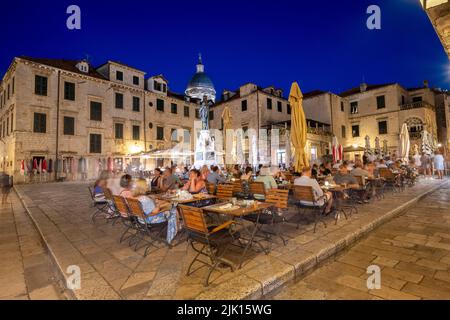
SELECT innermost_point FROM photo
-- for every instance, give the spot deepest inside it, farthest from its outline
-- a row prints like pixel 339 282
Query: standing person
pixel 417 162
pixel 439 164
pixel 6 184
pixel 426 165
pixel 126 183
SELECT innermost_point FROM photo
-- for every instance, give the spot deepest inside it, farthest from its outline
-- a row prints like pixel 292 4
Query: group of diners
pixel 194 181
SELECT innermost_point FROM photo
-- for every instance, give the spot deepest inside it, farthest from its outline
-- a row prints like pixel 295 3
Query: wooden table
pixel 239 213
pixel 175 199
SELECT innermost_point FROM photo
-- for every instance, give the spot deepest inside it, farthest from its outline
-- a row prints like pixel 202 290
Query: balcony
pixel 320 131
pixel 417 105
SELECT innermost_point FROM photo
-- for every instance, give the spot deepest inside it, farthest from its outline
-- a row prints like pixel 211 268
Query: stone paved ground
pixel 413 252
pixel 26 271
pixel 111 270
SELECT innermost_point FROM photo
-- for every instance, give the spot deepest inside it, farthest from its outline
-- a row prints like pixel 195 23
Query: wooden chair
pixel 237 186
pixel 389 178
pixel 100 204
pixel 257 188
pixel 362 193
pixel 306 194
pixel 112 212
pixel 279 198
pixel 127 219
pixel 146 232
pixel 211 188
pixel 213 241
pixel 273 218
pixel 224 191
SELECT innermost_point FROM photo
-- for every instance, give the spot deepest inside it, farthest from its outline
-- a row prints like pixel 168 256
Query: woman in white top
pixel 439 164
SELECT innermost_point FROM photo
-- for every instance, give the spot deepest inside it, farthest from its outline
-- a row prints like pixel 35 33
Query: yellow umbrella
pixel 298 127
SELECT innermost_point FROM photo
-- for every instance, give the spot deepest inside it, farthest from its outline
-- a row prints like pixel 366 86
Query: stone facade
pixel 380 111
pixel 141 113
pixel 253 107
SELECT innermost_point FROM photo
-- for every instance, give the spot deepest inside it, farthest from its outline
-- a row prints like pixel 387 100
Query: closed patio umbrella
pixel 44 165
pixel 404 143
pixel 240 158
pixel 299 127
pixel 254 150
pixel 385 147
pixel 367 147
pixel 227 124
pixel 288 149
pixel 336 150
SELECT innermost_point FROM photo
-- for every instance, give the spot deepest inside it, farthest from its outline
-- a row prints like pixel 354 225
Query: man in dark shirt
pixel 343 176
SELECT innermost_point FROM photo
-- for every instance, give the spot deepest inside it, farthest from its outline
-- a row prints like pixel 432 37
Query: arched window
pixel 415 125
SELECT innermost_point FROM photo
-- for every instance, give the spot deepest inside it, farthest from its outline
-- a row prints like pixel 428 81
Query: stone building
pixel 380 111
pixel 439 13
pixel 110 114
pixel 253 107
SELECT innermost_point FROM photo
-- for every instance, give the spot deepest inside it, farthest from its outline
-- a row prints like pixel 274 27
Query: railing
pixel 416 105
pixel 319 131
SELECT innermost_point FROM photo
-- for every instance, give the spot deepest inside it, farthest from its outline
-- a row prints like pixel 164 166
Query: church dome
pixel 200 84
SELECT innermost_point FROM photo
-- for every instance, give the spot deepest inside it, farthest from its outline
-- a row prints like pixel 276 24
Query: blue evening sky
pixel 321 44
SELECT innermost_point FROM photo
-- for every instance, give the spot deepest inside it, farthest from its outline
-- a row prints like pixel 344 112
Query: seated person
pixel 344 177
pixel 204 172
pixel 99 186
pixel 327 169
pixel 185 173
pixel 266 177
pixel 236 172
pixel 169 181
pixel 359 171
pixel 314 171
pixel 306 180
pixel 248 174
pixel 126 185
pixel 381 164
pixel 214 176
pixel 371 168
pixel 156 211
pixel 195 184
pixel 156 180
